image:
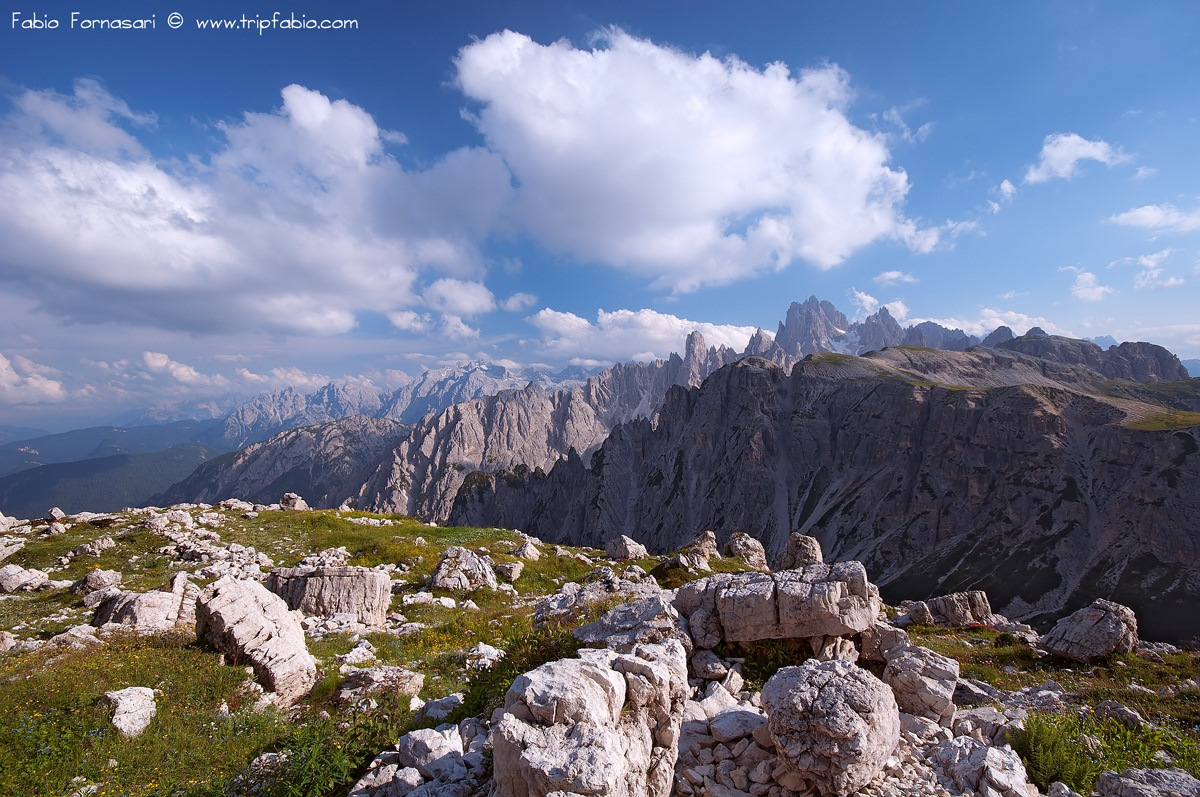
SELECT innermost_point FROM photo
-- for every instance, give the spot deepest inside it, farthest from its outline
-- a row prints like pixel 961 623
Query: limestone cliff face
pixel 324 464
pixel 940 471
pixel 531 428
pixel 1137 362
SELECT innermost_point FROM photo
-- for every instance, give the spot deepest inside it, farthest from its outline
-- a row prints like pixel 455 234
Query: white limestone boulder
pixel 14 578
pixel 1094 632
pixel 800 551
pixel 751 550
pixel 623 547
pixel 834 725
pixel 462 569
pixel 328 591
pixel 249 623
pixel 923 682
pixel 133 709
pixel 604 724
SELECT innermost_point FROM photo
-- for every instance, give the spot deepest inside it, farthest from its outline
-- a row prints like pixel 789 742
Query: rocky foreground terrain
pixel 271 649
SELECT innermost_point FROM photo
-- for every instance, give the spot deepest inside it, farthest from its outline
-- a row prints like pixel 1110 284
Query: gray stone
pixel 293 502
pixel 95 547
pixel 881 639
pixel 623 547
pixel 1093 632
pixel 145 612
pixel 96 580
pixel 748 548
pixel 363 682
pixel 435 753
pixel 605 724
pixel 1148 783
pixel 801 551
pixel 833 724
pixel 483 656
pixel 249 623
pixel 327 591
pixel 972 692
pixel 14 578
pixel 735 724
pixel 989 771
pixel 527 551
pixel 440 708
pixel 644 621
pixel 923 682
pixel 133 709
pixel 1129 717
pixel 1060 789
pixel 704 545
pixel 461 569
pixel 707 665
pixel 510 571
pixel 960 608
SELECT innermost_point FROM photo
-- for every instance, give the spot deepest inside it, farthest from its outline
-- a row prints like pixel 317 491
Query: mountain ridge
pixel 1036 490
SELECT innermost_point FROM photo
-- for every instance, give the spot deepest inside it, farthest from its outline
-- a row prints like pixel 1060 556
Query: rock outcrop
pixel 14 578
pixel 749 549
pixel 922 681
pixel 327 591
pixel 1136 362
pixel 960 608
pixel 1147 783
pixel 816 602
pixel 248 623
pixel 148 612
pixel 605 723
pixel 622 547
pixel 801 550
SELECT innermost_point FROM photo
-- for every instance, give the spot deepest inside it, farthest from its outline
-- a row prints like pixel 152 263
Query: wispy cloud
pixel 893 278
pixel 1160 218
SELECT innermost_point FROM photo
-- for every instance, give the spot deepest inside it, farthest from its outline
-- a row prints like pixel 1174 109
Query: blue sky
pixel 196 212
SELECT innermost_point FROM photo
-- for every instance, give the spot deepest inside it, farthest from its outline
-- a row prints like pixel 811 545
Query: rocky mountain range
pixel 1041 468
pixel 435 389
pixel 530 428
pixel 327 461
pixel 988 469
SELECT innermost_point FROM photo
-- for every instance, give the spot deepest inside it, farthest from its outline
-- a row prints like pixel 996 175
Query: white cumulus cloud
pixel 1062 152
pixel 1088 288
pixel 462 298
pixel 25 382
pixel 624 335
pixel 296 222
pixel 692 169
